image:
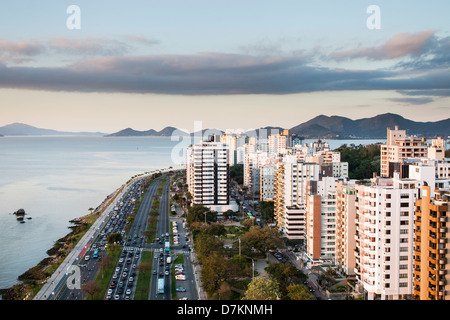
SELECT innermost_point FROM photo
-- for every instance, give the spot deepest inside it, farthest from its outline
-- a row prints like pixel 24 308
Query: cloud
pixel 430 92
pixel 24 51
pixel 400 45
pixel 414 101
pixel 198 74
pixel 22 48
pixel 210 73
pixel 107 67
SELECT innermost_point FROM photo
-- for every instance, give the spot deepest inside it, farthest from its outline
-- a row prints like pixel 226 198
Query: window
pixel 404 204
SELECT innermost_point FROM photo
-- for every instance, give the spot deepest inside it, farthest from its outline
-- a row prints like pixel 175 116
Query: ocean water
pixel 57 179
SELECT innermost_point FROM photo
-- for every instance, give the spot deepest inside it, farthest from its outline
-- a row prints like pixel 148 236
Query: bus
pixel 167 246
pixel 161 286
pixel 95 254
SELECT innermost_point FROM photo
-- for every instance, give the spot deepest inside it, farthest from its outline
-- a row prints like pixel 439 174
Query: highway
pixel 82 266
pixel 69 270
pixel 160 256
pixel 115 222
pixel 123 281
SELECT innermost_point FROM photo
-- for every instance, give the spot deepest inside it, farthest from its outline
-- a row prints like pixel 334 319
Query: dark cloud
pixel 218 73
pixel 207 73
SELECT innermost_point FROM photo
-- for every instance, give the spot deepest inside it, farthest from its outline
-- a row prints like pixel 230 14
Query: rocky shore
pixel 31 279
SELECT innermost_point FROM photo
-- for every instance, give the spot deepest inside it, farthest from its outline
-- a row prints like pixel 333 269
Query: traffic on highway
pixel 129 218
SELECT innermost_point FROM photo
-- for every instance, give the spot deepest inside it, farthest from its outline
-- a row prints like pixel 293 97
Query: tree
pixel 262 239
pixel 237 173
pixel 216 229
pixel 362 160
pixel 91 288
pixel 197 213
pixel 144 268
pixel 205 244
pixel 229 213
pixel 215 271
pixel 262 289
pixel 104 263
pixel 114 238
pixel 299 292
pixel 248 222
pixel 285 275
pixel 267 210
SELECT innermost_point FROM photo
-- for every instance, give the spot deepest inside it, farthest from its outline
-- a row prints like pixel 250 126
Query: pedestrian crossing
pixel 129 249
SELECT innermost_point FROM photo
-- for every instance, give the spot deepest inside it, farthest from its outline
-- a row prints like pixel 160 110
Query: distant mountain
pixel 20 129
pixel 128 132
pixel 336 127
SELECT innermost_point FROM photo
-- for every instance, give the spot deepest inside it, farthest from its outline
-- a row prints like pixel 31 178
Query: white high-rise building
pixel 207 173
pixel 385 237
pixel 290 195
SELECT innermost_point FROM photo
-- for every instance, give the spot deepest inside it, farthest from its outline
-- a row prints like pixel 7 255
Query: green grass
pixel 143 280
pixel 103 281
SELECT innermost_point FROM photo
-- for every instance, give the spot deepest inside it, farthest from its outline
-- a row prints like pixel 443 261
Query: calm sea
pixel 56 179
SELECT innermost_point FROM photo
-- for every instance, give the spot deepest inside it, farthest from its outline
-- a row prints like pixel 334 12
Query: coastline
pixel 35 278
pixel 39 274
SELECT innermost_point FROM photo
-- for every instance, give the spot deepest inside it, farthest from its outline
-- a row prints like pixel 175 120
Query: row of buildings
pixel 389 232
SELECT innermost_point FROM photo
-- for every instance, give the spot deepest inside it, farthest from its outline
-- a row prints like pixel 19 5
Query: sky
pixel 229 64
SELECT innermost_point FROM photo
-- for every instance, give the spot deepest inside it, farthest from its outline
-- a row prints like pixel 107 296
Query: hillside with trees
pixel 363 161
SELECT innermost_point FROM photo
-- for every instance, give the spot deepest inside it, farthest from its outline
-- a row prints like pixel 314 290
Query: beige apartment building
pixel 431 246
pixel 345 228
pixel 398 147
pixel 321 220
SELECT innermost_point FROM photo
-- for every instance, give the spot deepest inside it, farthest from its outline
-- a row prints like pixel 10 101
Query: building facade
pixel 431 246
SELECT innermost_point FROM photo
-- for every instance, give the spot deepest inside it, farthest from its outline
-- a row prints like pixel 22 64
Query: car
pixel 128 292
pixel 116 297
pixel 110 291
pixel 86 258
pixel 154 271
pixel 181 289
pixel 180 277
pixel 167 273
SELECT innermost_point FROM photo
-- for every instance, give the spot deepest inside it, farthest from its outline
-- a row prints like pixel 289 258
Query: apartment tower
pixel 431 246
